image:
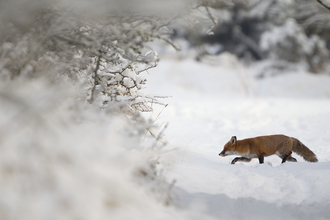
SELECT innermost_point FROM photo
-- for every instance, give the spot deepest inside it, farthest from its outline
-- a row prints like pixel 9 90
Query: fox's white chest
pixel 247 154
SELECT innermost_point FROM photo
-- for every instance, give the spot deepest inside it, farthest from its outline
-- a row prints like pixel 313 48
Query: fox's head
pixel 229 148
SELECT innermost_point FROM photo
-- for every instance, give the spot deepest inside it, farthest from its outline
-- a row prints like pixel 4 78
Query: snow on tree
pixel 289 43
pixel 241 29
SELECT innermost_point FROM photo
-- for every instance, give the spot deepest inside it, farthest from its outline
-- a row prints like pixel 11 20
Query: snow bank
pixel 61 158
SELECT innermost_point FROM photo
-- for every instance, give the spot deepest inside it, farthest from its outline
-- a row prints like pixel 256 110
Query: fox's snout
pixel 222 154
pixel 229 148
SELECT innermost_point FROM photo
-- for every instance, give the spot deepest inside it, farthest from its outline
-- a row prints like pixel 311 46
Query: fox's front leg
pixel 242 159
pixel 261 158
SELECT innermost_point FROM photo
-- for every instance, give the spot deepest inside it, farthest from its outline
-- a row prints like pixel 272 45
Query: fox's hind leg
pixel 291 159
pixel 261 158
pixel 287 157
pixel 242 159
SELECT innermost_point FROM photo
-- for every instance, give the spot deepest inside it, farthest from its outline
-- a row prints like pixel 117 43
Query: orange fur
pixel 262 146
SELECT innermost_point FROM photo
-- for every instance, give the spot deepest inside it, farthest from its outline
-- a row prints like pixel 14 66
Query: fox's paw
pixel 234 161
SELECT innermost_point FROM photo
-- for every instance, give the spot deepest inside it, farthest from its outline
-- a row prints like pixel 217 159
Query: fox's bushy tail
pixel 303 151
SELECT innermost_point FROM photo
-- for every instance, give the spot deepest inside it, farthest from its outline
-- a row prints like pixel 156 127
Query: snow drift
pixel 212 103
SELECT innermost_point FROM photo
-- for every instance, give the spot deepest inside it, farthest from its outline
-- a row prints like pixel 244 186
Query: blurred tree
pixel 281 30
pixel 105 50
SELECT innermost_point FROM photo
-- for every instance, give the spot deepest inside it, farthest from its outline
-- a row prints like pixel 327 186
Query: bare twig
pixel 325 4
pixel 170 43
pixel 210 15
pixel 146 69
pixel 159 136
pixel 95 77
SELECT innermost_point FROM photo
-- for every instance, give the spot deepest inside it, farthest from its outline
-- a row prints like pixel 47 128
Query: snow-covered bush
pixel 61 158
pixel 257 30
pixel 109 55
pixel 290 43
pixel 73 141
pixel 314 18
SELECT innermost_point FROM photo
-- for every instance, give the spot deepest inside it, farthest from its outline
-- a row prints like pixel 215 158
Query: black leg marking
pixel 242 159
pixel 286 156
pixel 261 158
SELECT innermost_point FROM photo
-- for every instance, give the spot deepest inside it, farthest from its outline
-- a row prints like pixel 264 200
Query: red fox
pixel 262 146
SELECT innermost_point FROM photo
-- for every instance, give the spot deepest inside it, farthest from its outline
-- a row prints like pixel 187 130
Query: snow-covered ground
pixel 211 103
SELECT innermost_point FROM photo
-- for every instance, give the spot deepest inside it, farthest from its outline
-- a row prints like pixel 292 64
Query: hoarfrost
pixel 128 82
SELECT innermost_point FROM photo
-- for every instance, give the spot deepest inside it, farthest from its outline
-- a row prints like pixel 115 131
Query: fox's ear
pixel 233 140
